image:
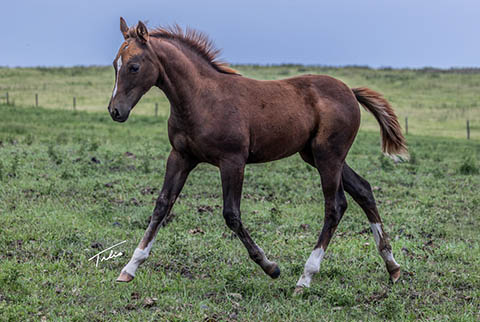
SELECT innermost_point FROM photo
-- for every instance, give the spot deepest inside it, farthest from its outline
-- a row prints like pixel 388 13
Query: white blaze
pixel 119 65
pixel 139 256
pixel 312 266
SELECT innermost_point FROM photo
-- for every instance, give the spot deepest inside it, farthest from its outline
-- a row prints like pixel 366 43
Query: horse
pixel 222 118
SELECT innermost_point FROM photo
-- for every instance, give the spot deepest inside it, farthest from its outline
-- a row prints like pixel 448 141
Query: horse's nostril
pixel 115 113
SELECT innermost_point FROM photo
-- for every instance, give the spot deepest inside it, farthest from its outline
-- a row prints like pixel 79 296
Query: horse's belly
pixel 261 156
pixel 271 144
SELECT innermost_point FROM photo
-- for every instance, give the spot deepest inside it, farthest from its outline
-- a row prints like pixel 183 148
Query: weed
pixel 54 156
pixel 83 148
pixel 12 139
pixel 385 163
pixel 94 145
pixel 62 138
pixel 146 161
pixel 413 158
pixel 469 165
pixel 66 175
pixel 29 139
pixel 15 165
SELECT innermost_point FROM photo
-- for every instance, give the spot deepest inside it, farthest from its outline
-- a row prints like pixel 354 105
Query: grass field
pixel 69 189
pixel 436 102
pixel 75 183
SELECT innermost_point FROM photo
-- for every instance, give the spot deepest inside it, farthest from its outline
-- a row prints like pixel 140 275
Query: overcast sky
pixel 406 33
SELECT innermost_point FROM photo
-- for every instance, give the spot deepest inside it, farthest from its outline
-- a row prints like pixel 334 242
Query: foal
pixel 222 118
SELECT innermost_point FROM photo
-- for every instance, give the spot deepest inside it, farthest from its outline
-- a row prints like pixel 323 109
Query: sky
pixel 377 33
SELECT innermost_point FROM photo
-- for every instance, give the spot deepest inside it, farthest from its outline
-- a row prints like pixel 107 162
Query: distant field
pixel 68 189
pixel 437 102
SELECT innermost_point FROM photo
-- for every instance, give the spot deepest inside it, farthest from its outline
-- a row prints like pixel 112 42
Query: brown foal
pixel 220 117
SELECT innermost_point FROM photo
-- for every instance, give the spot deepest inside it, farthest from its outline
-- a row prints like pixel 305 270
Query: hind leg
pixel 330 169
pixel 362 193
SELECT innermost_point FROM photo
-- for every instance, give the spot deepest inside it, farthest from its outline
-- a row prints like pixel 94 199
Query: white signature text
pixel 111 255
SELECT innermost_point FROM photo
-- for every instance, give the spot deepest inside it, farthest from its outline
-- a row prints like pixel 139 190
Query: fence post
pixel 156 109
pixel 406 124
pixel 468 130
pixel 74 103
pixel 36 99
pixel 6 98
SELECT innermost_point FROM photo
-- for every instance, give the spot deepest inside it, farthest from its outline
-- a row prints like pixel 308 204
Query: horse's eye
pixel 134 68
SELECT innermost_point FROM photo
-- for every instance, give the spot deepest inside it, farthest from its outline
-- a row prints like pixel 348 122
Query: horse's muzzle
pixel 116 115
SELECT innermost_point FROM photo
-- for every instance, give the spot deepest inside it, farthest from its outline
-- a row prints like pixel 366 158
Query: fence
pixel 8 101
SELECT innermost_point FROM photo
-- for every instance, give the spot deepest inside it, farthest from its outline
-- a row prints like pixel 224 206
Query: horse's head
pixel 135 71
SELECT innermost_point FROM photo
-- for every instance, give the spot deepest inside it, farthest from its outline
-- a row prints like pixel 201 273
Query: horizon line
pixel 359 66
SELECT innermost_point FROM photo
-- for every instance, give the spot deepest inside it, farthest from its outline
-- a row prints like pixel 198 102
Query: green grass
pixel 436 102
pixel 68 190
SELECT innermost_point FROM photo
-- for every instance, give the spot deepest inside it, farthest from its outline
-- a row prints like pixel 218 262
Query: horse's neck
pixel 183 76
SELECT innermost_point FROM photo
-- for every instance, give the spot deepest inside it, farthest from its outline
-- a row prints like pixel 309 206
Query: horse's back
pixel 284 115
pixel 311 95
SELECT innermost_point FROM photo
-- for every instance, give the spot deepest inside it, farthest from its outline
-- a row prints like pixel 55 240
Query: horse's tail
pixel 393 141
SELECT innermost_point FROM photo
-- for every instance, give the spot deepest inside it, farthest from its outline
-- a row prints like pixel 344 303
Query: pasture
pixel 73 183
pixel 436 102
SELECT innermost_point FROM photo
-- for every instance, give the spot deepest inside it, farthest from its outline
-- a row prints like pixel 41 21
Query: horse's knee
pixel 162 202
pixel 334 212
pixel 365 197
pixel 359 188
pixel 333 217
pixel 341 202
pixel 232 219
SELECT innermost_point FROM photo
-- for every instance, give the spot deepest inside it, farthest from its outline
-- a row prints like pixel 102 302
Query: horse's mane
pixel 196 41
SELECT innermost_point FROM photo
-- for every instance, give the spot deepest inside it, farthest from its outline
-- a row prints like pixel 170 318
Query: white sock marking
pixel 377 232
pixel 119 65
pixel 385 253
pixel 388 257
pixel 312 266
pixel 139 256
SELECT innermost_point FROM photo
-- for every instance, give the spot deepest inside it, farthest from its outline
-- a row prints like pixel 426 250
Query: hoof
pixel 395 276
pixel 298 291
pixel 124 277
pixel 275 273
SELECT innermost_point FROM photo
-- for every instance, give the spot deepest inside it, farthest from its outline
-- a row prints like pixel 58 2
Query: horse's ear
pixel 123 27
pixel 142 32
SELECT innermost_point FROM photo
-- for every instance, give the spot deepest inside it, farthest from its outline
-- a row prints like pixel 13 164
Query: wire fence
pixel 7 100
